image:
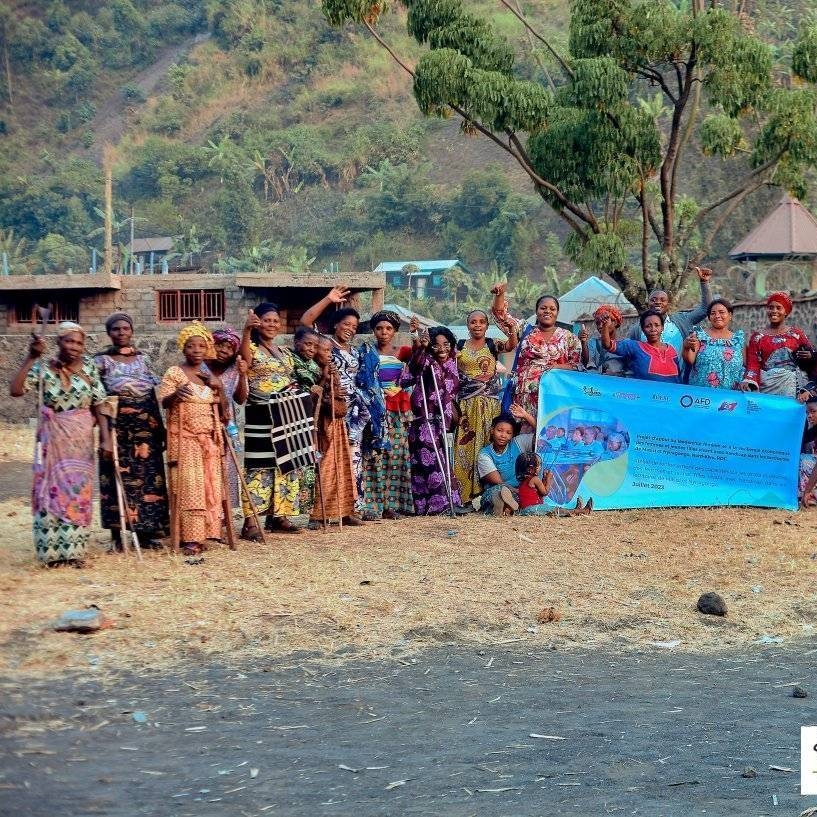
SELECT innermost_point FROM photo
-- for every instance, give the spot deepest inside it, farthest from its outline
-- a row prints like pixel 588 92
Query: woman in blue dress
pixel 716 355
pixel 646 360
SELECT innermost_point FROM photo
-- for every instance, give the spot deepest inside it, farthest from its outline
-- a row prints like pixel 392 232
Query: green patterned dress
pixel 62 490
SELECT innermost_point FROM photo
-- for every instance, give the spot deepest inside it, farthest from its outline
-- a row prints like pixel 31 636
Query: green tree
pixel 610 169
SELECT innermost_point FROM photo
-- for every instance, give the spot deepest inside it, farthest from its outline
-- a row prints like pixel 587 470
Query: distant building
pixel 422 279
pixel 162 304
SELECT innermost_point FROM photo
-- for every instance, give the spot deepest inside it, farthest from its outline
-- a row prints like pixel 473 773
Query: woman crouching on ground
pixel 70 396
pixel 197 405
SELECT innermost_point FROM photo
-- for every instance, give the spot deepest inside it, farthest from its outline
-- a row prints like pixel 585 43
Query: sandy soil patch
pixel 619 579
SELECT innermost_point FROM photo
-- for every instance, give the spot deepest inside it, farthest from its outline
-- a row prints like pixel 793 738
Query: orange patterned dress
pixel 194 452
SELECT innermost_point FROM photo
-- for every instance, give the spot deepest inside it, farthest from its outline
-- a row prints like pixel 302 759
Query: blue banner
pixel 640 444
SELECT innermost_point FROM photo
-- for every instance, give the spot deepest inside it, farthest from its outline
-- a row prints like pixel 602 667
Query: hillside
pixel 255 133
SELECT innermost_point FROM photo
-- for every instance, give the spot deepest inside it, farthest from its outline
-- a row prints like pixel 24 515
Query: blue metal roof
pixel 423 267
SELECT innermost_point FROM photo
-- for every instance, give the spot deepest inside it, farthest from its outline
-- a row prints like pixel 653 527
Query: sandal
pixel 390 513
pixel 284 525
pixel 251 533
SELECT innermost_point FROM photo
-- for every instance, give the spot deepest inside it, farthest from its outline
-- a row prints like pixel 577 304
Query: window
pixel 437 280
pixel 62 308
pixel 397 280
pixel 191 305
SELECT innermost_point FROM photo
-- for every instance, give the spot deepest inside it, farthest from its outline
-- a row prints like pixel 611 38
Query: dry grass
pixel 619 579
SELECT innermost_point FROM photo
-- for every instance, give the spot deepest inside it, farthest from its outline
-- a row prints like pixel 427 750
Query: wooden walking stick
pixel 174 468
pixel 315 418
pixel 243 484
pixel 226 507
pixel 337 459
pixel 125 519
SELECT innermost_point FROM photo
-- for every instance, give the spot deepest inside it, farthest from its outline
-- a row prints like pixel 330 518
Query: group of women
pixel 335 430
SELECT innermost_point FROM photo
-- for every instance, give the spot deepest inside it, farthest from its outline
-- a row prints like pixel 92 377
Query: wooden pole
pixel 243 484
pixel 107 166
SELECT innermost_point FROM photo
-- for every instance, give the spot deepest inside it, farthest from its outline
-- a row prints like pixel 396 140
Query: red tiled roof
pixel 789 230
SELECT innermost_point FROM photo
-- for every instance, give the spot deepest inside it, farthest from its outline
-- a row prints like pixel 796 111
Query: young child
pixel 532 488
pixel 808 457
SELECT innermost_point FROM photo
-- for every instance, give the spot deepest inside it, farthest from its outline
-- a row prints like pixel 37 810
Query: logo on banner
pixel 688 401
pixel 591 392
pixel 727 406
pixel 808 760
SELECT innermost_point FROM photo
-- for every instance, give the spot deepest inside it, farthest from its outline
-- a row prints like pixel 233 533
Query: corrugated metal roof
pixel 789 230
pixel 425 267
pixel 157 244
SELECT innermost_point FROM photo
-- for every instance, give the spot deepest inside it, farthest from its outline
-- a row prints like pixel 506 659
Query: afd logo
pixel 591 392
pixel 688 400
pixel 727 406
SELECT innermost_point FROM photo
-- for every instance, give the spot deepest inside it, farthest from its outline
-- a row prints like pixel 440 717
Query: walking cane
pixel 226 507
pixel 121 496
pixel 243 484
pixel 175 469
pixel 337 459
pixel 315 415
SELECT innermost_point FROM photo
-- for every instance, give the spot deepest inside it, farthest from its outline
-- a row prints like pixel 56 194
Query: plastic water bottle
pixel 232 430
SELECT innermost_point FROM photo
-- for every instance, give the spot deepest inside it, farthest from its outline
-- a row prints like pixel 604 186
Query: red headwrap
pixel 781 298
pixel 610 311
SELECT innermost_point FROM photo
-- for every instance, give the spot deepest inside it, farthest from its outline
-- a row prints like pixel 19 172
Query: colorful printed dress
pixel 272 492
pixel 347 362
pixel 434 385
pixel 770 363
pixel 387 472
pixel 62 489
pixel 140 439
pixel 719 362
pixel 479 400
pixel 645 362
pixel 194 453
pixel 537 355
pixel 337 482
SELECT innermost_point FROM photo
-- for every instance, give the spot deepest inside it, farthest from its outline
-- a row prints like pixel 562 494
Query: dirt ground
pixel 450 732
pixel 420 646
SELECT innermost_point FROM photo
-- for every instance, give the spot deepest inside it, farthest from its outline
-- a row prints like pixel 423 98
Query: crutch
pixel 125 519
pixel 174 468
pixel 226 507
pixel 242 483
pixel 315 416
pixel 448 470
pixel 443 469
pixel 337 459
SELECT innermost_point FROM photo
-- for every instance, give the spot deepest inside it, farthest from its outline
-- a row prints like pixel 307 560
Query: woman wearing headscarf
pixel 196 405
pixel 358 371
pixel 127 374
pixel 271 373
pixel 386 472
pixel 776 353
pixel 232 369
pixel 542 347
pixel 595 357
pixel 479 400
pixel 70 395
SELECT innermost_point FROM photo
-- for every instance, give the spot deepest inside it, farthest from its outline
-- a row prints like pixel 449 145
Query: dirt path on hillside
pixel 108 125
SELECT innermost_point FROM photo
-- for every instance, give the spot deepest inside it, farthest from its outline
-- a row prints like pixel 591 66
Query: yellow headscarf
pixel 198 330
